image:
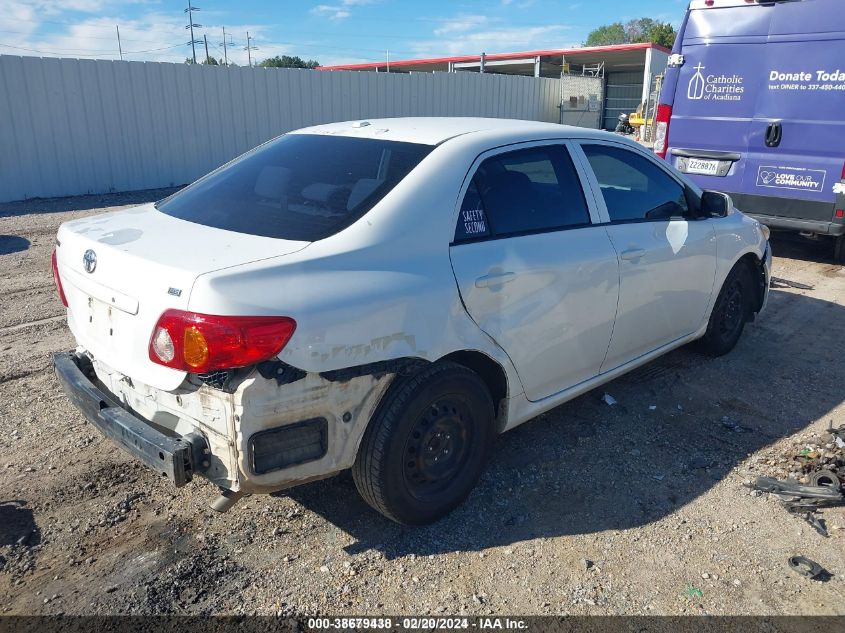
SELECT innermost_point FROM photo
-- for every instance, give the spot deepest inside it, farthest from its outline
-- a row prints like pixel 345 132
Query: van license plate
pixel 702 166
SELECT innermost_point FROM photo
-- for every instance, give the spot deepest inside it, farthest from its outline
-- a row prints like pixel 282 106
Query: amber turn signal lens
pixel 195 350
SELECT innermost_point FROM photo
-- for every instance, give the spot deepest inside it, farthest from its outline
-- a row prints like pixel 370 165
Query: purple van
pixel 754 105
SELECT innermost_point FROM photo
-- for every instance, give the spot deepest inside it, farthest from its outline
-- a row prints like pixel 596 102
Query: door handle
pixel 774 134
pixel 494 279
pixel 632 254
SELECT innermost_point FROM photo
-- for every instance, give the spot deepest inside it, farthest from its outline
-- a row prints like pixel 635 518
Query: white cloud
pixel 461 24
pixel 339 11
pixel 466 35
pixel 333 12
pixel 152 36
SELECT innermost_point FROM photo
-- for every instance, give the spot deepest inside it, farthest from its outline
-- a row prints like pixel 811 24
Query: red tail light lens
pixel 199 343
pixel 55 266
pixel 661 129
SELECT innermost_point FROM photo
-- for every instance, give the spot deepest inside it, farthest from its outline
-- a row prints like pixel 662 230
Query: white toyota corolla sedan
pixel 387 296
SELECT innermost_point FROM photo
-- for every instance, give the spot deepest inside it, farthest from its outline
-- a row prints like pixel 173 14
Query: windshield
pixel 297 187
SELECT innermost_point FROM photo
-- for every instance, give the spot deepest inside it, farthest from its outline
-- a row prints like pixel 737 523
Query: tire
pixel 839 249
pixel 427 445
pixel 730 313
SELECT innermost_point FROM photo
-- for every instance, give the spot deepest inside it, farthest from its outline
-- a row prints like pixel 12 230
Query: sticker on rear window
pixel 474 222
pixel 796 178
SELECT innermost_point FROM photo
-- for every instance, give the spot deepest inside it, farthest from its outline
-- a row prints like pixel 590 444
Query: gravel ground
pixel 637 508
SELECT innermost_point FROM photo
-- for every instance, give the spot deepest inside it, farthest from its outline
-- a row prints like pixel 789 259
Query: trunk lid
pixel 121 270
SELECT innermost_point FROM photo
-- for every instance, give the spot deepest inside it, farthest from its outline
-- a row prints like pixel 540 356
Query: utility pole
pixel 119 47
pixel 249 48
pixel 388 61
pixel 225 54
pixel 190 11
pixel 205 39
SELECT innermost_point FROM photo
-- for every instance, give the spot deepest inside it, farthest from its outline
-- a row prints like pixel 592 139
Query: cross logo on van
pixel 695 89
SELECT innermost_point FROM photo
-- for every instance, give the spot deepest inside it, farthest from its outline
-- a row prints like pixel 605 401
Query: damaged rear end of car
pixel 180 313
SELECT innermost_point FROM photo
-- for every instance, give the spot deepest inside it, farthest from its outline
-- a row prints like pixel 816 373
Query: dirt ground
pixel 637 508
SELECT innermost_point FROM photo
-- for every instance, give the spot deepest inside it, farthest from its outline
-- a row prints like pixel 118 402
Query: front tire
pixel 425 449
pixel 730 312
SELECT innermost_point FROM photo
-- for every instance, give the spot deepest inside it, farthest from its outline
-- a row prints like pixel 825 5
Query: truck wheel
pixel 839 249
pixel 427 445
pixel 730 312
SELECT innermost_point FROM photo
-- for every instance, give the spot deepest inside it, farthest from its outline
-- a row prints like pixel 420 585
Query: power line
pixel 98 54
pixel 225 43
pixel 190 11
pixel 248 48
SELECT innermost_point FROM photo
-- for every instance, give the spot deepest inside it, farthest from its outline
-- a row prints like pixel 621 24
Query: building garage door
pixel 623 94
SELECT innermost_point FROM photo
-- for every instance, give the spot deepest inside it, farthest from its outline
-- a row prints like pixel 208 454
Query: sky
pixel 330 31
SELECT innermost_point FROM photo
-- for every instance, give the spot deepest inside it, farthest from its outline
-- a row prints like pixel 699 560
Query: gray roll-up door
pixel 623 94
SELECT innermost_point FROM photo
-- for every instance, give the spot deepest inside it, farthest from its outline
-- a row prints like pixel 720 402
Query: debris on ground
pixel 608 399
pixel 806 567
pixel 817 471
pixel 779 282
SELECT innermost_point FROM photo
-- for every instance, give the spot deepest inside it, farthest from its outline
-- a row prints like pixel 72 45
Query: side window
pixel 472 222
pixel 633 187
pixel 524 191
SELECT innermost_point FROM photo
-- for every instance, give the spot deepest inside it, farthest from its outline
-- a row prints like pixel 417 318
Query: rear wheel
pixel 730 312
pixel 426 447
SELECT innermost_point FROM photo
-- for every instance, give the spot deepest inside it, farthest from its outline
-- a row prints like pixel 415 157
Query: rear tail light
pixel 199 343
pixel 661 129
pixel 55 266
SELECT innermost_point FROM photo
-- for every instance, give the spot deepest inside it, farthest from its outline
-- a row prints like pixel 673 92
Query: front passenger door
pixel 533 271
pixel 667 256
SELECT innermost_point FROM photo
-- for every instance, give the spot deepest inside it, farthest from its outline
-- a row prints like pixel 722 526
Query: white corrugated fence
pixel 70 126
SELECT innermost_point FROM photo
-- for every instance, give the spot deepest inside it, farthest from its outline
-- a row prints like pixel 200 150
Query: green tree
pixel 286 61
pixel 208 61
pixel 607 35
pixel 633 31
pixel 663 34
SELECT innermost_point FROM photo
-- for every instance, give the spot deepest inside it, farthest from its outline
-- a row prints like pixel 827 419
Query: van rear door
pixel 796 144
pixel 715 91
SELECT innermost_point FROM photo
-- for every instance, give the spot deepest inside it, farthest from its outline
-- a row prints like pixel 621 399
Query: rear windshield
pixel 297 187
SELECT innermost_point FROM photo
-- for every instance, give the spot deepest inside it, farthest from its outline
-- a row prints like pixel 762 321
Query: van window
pixel 297 187
pixel 528 190
pixel 633 187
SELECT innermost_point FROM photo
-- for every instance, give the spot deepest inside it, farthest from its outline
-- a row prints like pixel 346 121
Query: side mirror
pixel 715 204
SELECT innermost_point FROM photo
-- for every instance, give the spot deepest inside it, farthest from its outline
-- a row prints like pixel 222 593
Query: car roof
pixel 436 130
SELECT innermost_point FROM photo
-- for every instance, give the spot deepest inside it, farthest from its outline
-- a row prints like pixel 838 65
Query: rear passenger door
pixel 667 255
pixel 533 271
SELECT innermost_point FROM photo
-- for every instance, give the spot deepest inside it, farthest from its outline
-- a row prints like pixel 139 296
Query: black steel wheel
pixel 438 447
pixel 730 312
pixel 427 445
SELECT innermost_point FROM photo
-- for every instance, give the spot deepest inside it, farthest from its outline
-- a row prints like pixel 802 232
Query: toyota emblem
pixel 89 260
